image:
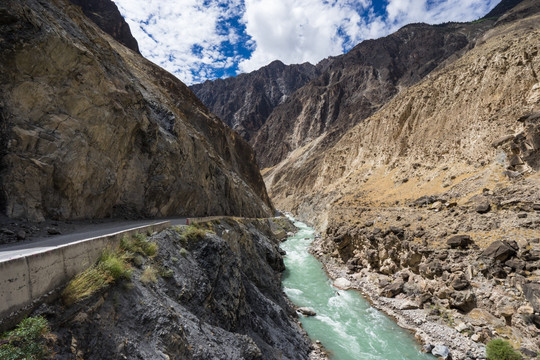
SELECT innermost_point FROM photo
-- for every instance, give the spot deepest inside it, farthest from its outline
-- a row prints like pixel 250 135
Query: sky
pixel 198 40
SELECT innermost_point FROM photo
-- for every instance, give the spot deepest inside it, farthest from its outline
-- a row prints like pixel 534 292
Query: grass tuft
pixel 149 275
pixel 139 244
pixel 192 233
pixel 111 266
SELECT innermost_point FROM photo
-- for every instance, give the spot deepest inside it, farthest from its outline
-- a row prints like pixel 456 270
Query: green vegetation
pixel 149 275
pixel 26 341
pixel 138 244
pixel 193 232
pixel 165 272
pixel 499 349
pixel 110 267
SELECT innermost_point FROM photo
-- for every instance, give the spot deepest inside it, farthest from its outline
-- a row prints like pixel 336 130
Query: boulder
pixel 460 282
pixel 516 264
pixel 442 352
pixel 459 241
pixel 306 311
pixel 432 269
pixel 481 318
pixel 482 206
pixel 463 300
pixel 532 294
pixel 500 250
pixel 393 289
pixel 342 283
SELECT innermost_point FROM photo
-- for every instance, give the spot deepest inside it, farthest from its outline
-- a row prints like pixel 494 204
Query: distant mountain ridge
pixel 337 93
pixel 245 102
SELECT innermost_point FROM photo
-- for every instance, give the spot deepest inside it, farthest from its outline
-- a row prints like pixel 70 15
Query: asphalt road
pixel 87 232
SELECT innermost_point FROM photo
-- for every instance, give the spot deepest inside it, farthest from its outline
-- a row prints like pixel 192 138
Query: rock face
pixel 214 297
pixel 245 102
pixel 106 15
pixel 90 129
pixel 356 85
pixel 426 140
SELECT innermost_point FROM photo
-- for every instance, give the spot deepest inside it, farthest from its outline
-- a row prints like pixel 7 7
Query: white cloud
pixel 402 12
pixel 295 31
pixel 186 37
pixel 168 32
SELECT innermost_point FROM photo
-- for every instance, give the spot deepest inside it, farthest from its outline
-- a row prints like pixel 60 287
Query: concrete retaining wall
pixel 26 279
pixel 191 221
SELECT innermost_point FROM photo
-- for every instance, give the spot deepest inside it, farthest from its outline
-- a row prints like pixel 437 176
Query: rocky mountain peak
pixel 106 15
pixel 244 102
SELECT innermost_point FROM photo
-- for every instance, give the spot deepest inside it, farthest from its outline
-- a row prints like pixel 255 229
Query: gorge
pixel 414 156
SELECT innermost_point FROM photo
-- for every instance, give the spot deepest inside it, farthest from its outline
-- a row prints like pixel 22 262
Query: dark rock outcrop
pixel 106 15
pixel 245 102
pixel 90 129
pixel 500 250
pixel 216 297
pixel 459 241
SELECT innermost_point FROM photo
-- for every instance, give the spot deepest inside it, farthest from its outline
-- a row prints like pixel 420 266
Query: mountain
pixel 434 199
pixel 90 129
pixel 245 102
pixel 449 120
pixel 359 83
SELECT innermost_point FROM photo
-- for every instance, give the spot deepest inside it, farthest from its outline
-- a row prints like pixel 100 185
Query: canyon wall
pixel 91 129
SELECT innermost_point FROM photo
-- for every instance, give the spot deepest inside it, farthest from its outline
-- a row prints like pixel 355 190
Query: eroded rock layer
pixel 215 294
pixel 91 129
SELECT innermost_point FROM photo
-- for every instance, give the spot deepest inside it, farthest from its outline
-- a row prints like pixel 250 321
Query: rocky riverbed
pixel 457 273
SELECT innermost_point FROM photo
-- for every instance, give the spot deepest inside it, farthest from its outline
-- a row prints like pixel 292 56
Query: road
pixel 10 251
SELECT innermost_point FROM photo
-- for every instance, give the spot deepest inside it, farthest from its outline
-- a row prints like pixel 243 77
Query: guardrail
pixel 26 280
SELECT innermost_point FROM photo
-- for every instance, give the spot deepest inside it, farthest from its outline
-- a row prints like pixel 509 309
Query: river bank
pixel 457 275
pixel 407 314
pixel 342 321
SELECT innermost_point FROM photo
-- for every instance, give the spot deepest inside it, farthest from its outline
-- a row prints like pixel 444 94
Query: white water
pixel 346 324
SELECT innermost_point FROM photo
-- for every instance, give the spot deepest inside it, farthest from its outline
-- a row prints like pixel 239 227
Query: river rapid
pixel 346 325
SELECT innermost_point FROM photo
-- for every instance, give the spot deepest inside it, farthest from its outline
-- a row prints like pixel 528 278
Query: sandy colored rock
pixel 91 129
pixel 342 283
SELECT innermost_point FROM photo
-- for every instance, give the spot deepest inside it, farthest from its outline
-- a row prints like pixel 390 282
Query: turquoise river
pixel 346 324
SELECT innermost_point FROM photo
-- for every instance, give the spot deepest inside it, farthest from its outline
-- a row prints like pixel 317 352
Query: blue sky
pixel 207 39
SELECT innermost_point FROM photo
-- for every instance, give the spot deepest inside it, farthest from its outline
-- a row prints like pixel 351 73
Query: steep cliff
pixel 244 102
pixel 211 292
pixel 91 129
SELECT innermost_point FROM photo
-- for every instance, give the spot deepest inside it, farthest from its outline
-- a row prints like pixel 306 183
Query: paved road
pixel 88 231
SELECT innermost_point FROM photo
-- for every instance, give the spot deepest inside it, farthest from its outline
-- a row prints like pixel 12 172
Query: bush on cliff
pixel 26 341
pixel 499 349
